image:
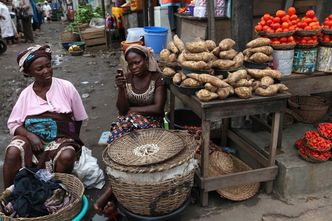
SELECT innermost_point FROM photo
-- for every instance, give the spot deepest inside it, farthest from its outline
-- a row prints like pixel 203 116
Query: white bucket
pixel 324 59
pixel 134 34
pixel 283 61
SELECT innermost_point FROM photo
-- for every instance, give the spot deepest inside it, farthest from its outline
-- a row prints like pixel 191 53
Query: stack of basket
pixel 151 171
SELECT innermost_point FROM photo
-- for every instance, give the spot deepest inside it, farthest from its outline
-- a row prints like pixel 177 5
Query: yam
pixel 226 44
pixel 259 57
pixel 258 42
pixel 196 46
pixel 243 92
pixel 169 71
pixel 164 54
pixel 210 87
pixel 183 76
pixel 243 83
pixel 181 58
pixel 196 65
pixel 229 54
pixel 177 78
pixel 255 85
pixel 259 73
pixel 215 81
pixel 203 56
pixel 236 76
pixel 189 82
pixel 266 81
pixel 224 92
pixel 171 46
pixel 194 76
pixel 268 50
pixel 205 95
pixel 210 45
pixel 216 51
pixel 172 57
pixel 178 43
pixel 271 90
pixel 239 58
pixel 223 64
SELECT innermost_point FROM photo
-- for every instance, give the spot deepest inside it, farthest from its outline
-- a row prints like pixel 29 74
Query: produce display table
pixel 306 84
pixel 223 110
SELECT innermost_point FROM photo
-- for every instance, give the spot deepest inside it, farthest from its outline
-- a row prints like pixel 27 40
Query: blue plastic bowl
pixel 84 210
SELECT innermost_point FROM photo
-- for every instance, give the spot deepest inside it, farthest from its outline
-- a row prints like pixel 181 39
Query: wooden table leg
pixel 172 107
pixel 279 145
pixel 224 129
pixel 273 146
pixel 205 158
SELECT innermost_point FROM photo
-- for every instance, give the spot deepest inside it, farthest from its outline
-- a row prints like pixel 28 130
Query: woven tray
pixel 327 31
pixel 311 159
pixel 308 32
pixel 75 187
pixel 260 33
pixel 327 44
pixel 189 90
pixel 311 148
pixel 306 45
pixel 280 34
pixel 249 64
pixel 190 147
pixel 144 147
pixel 283 46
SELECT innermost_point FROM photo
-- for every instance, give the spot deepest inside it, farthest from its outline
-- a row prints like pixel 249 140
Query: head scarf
pixel 152 63
pixel 26 57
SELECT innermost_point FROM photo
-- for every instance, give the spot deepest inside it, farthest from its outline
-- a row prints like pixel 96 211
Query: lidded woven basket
pixel 154 174
pixel 75 187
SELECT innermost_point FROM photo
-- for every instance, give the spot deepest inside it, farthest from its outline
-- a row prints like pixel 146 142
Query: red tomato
pixel 326 38
pixel 258 28
pixel 275 26
pixel 283 40
pixel 310 14
pixel 279 30
pixel 269 22
pixel 291 11
pixel 311 42
pixel 275 42
pixel 293 17
pixel 280 13
pixel 266 16
pixel 303 42
pixel 285 18
pixel 290 39
pixel 284 25
pixel 307 28
pixel 276 20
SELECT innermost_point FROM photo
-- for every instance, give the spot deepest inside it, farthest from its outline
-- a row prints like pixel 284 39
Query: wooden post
pixel 151 13
pixel 242 14
pixel 211 20
pixel 146 13
pixel 103 8
pixel 324 8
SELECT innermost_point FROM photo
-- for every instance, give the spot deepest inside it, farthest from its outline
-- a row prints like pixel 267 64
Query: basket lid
pixel 190 147
pixel 145 147
pixel 231 164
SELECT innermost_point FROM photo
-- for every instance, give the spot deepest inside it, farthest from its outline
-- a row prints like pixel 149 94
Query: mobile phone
pixel 119 72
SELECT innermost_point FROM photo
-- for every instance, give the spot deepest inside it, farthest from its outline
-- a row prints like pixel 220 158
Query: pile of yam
pixel 258 51
pixel 174 48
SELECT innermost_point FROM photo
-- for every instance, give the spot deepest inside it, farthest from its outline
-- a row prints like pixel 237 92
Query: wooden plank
pixel 240 178
pixel 311 84
pixel 172 108
pixel 205 142
pixel 248 146
pixel 224 131
pixel 95 41
pixel 211 20
pixel 242 13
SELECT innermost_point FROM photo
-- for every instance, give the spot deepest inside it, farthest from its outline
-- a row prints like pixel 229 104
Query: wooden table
pixel 223 110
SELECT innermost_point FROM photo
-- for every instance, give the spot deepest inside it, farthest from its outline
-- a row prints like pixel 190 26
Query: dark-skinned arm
pixel 36 142
pixel 158 105
pixel 78 125
pixel 122 100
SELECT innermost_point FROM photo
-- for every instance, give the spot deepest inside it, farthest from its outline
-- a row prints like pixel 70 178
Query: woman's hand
pixel 120 81
pixel 36 142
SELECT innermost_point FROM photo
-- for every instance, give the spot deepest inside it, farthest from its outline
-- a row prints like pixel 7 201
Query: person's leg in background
pixel 27 30
pixel 171 18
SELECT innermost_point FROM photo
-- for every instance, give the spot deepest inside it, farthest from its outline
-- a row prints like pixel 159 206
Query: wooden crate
pixel 93 36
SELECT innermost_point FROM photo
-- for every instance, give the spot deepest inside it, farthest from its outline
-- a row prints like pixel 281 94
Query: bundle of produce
pixel 196 56
pixel 325 39
pixel 187 84
pixel 315 142
pixel 226 57
pixel 309 154
pixel 327 25
pixel 258 53
pixel 282 25
pixel 174 48
pixel 325 130
pixel 283 43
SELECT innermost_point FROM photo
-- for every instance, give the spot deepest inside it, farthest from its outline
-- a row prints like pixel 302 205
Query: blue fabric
pixel 45 128
pixel 35 12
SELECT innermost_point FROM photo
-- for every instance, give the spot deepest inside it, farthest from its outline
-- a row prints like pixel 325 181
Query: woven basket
pixel 283 46
pixel 260 33
pixel 75 187
pixel 155 199
pixel 308 109
pixel 305 46
pixel 311 158
pixel 314 149
pixel 217 168
pixel 308 32
pixel 280 34
pixel 327 31
pixel 326 44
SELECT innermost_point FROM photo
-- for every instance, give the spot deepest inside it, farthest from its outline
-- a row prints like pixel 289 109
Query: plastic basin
pixel 155 38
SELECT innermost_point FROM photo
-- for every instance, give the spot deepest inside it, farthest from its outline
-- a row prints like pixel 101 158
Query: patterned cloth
pixel 131 122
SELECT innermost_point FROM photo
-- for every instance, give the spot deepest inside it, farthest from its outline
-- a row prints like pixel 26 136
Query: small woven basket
pixel 75 187
pixel 308 32
pixel 283 46
pixel 311 159
pixel 280 34
pixel 260 33
pixel 305 46
pixel 314 149
pixel 327 31
pixel 326 44
pixel 309 108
